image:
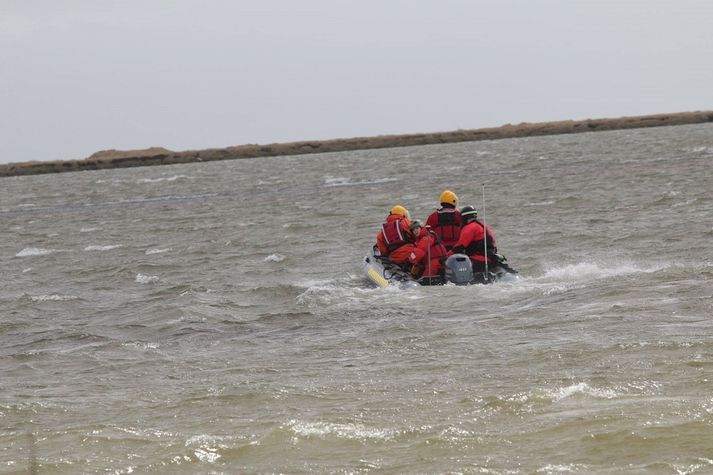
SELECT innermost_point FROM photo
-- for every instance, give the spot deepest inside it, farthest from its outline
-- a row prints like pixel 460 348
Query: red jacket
pixel 397 234
pixel 471 242
pixel 402 254
pixel 424 241
pixel 445 222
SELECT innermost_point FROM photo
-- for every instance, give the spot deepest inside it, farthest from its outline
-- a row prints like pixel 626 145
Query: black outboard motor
pixel 459 269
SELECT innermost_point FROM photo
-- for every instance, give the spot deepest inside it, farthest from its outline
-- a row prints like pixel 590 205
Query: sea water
pixel 213 317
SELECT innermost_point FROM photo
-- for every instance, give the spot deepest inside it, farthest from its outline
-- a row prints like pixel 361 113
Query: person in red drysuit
pixel 395 239
pixel 446 220
pixel 428 244
pixel 472 241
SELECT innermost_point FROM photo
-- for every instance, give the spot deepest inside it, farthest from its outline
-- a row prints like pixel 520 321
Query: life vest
pixel 448 225
pixel 394 234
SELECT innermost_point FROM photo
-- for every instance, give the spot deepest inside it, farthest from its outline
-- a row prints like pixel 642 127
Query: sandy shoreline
pixel 160 156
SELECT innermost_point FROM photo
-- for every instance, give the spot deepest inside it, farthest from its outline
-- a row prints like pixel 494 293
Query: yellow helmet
pixel 401 211
pixel 448 198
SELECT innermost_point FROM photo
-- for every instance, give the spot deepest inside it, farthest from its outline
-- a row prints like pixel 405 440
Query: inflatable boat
pixel 458 270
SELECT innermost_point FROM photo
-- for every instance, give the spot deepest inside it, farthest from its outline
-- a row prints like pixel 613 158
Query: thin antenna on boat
pixel 428 252
pixel 485 239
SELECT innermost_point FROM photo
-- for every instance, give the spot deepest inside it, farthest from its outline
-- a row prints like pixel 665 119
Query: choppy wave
pixel 53 298
pixel 143 346
pixel 550 469
pixel 330 182
pixel 157 251
pixel 160 179
pixel 702 149
pixel 582 388
pixel 146 279
pixel 34 251
pixel 342 431
pixel 206 447
pixel 350 291
pixel 589 270
pixel 103 248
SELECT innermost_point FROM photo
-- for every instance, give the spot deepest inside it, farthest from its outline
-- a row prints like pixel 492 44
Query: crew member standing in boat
pixel 446 220
pixel 395 239
pixel 472 241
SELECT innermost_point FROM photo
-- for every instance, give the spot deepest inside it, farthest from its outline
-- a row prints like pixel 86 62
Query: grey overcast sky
pixel 78 76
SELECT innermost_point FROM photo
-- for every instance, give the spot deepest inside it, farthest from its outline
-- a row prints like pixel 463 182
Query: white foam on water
pixel 34 251
pixel 558 280
pixel 160 179
pixel 330 182
pixel 702 149
pixel 336 181
pixel 157 251
pixel 113 181
pixel 316 283
pixel 53 298
pixel 684 203
pixel 347 293
pixel 355 291
pixel 141 432
pixel 206 439
pixel 146 279
pixel 564 468
pixel 559 289
pixel 121 471
pixel 143 346
pixel 581 388
pixel 538 396
pixel 701 467
pixel 275 258
pixel 206 455
pixel 89 230
pixel 453 432
pixel 205 447
pixel 583 269
pixel 102 248
pixel 593 270
pixel 342 431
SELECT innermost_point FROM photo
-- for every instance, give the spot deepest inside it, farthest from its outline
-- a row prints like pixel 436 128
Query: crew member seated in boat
pixel 395 239
pixel 473 241
pixel 428 244
pixel 446 220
